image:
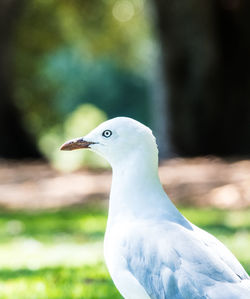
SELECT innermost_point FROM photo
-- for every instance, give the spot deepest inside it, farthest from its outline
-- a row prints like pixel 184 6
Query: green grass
pixel 58 254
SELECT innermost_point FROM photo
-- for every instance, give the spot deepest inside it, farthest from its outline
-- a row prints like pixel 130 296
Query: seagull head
pixel 117 140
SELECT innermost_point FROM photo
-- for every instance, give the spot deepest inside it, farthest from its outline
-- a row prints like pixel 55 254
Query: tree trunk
pixel 206 46
pixel 14 140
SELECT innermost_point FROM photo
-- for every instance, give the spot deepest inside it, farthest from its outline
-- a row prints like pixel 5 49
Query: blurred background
pixel 182 68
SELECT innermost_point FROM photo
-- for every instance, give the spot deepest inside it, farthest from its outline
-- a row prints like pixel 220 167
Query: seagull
pixel 151 250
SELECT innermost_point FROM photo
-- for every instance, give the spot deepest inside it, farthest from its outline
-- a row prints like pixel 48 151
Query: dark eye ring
pixel 107 133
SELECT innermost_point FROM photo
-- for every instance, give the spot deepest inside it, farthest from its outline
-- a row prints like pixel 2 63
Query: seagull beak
pixel 76 143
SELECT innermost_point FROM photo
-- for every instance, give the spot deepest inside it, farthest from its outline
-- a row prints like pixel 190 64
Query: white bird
pixel 150 248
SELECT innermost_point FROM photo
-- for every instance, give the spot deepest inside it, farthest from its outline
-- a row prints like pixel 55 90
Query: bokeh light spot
pixel 123 10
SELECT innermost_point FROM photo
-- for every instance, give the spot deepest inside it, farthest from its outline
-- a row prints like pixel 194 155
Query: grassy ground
pixel 58 254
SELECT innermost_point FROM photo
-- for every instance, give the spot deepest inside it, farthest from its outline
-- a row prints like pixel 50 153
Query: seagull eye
pixel 106 133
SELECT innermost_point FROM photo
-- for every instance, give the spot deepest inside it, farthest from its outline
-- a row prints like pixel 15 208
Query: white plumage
pixel 151 250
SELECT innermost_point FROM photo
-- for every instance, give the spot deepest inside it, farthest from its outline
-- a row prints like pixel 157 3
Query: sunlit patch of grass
pixel 33 254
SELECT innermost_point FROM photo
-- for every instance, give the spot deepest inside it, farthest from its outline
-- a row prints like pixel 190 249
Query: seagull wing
pixel 223 252
pixel 171 261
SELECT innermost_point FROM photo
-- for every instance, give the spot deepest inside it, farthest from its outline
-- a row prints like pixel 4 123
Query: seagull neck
pixel 136 190
pixel 138 169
